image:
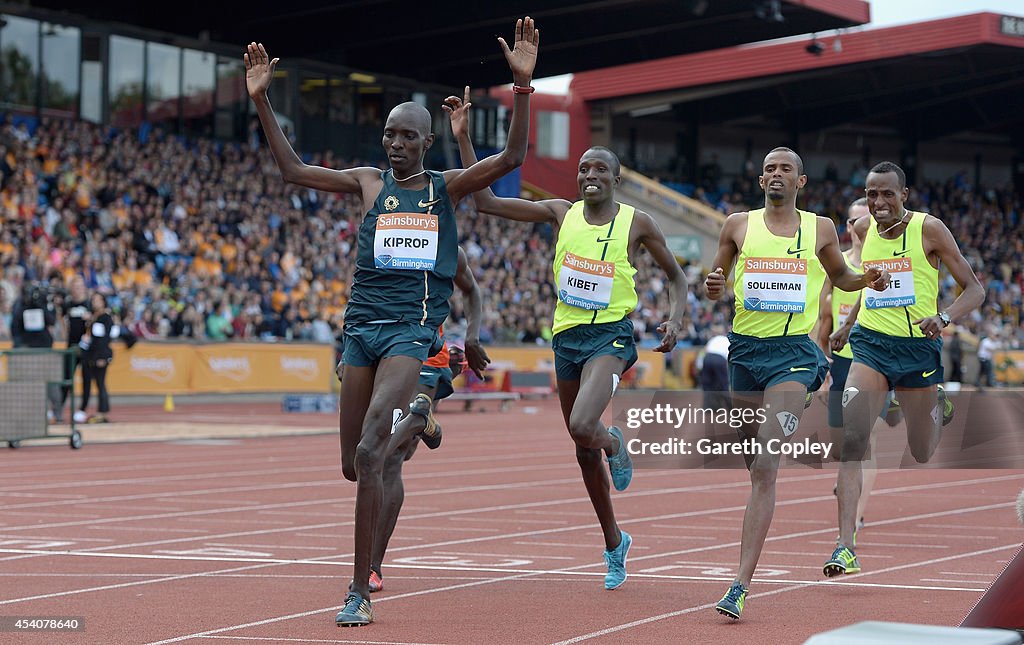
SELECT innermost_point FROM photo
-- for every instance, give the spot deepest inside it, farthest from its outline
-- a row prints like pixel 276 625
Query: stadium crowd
pixel 203 240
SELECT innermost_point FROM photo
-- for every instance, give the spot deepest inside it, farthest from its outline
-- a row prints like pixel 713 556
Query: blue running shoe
pixel 843 561
pixel 356 612
pixel 616 561
pixel 732 602
pixel 620 465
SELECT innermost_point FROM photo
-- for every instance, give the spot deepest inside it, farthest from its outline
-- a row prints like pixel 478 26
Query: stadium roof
pixel 930 79
pixel 454 43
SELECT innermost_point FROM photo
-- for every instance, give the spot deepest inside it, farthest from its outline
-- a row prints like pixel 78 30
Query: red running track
pixel 249 541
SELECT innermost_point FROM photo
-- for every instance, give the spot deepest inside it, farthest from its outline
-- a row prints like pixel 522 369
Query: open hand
pixel 259 69
pixel 458 113
pixel 522 58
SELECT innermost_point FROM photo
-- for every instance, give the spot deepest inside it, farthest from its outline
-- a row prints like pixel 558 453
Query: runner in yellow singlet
pixel 782 255
pixel 598 240
pixel 897 341
pixel 838 313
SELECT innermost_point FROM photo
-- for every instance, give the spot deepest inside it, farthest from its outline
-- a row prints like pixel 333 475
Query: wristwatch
pixel 944 317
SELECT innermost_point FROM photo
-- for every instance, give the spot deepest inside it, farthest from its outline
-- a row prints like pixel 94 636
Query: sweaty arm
pixel 840 273
pixel 824 324
pixel 522 59
pixel 259 70
pixel 728 249
pixel 938 240
pixel 651 236
pixel 476 357
pixel 550 210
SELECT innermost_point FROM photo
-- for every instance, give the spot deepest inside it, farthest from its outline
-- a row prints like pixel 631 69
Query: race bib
pixel 901 285
pixel 33 320
pixel 776 285
pixel 585 283
pixel 405 241
pixel 844 312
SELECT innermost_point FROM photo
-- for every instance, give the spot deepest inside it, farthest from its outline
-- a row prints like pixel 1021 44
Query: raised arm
pixel 522 59
pixel 651 236
pixel 522 210
pixel 938 240
pixel 728 248
pixel 476 357
pixel 259 71
pixel 838 271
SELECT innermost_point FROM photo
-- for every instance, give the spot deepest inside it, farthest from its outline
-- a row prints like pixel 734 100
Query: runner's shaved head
pixel 417 115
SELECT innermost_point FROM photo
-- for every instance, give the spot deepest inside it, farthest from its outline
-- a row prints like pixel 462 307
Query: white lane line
pixel 327 560
pixel 651 619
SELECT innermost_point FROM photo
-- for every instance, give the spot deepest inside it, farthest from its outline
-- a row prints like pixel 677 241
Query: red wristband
pixel 522 89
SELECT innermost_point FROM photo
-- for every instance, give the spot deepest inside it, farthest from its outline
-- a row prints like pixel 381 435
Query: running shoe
pixel 620 465
pixel 616 561
pixel 431 432
pixel 843 560
pixel 948 410
pixel 732 602
pixel 376 582
pixel 356 612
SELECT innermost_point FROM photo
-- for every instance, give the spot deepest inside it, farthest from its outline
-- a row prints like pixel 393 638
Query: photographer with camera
pixel 33 318
pixel 32 325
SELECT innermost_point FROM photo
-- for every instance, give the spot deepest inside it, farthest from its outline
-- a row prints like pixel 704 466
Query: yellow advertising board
pixel 1009 366
pixel 252 367
pixel 150 368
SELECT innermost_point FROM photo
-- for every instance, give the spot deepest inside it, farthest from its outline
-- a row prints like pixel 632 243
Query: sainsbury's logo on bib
pixel 776 265
pixel 403 221
pixel 596 267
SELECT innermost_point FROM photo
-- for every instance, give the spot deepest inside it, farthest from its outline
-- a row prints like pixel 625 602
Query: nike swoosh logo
pixel 799 369
pixel 897 254
pixel 607 239
pixel 792 252
pixel 616 343
pixel 423 204
pixel 927 374
pixel 416 342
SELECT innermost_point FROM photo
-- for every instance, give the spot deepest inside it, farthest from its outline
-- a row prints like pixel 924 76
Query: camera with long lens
pixel 36 296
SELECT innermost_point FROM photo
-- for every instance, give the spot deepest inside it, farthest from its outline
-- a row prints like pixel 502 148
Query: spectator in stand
pixel 218 323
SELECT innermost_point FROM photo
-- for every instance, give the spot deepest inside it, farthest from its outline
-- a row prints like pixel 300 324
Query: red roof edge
pixel 761 60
